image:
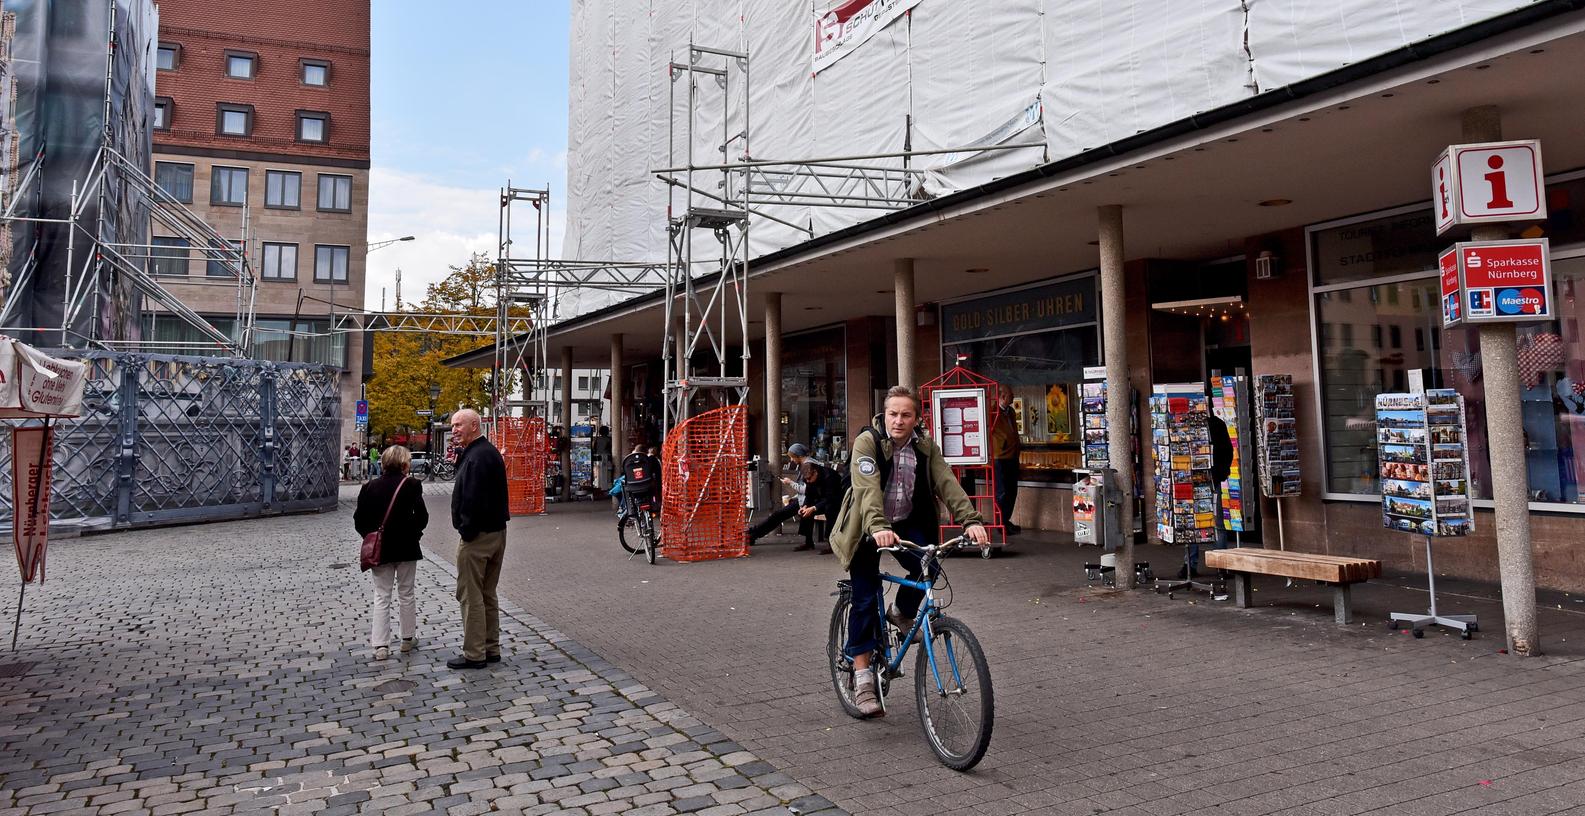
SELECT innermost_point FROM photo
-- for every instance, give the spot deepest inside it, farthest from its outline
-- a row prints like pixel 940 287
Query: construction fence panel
pixel 704 482
pixel 523 444
pixel 168 439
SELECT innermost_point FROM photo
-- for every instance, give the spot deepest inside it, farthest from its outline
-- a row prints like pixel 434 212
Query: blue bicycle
pixel 952 683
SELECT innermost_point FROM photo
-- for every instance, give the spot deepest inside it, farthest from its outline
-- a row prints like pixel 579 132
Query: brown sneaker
pixel 895 618
pixel 867 701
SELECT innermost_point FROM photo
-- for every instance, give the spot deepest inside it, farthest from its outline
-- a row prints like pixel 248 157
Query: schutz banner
pixel 32 458
pixel 849 25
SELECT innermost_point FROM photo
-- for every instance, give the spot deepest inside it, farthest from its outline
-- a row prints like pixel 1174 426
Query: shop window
pixel 814 393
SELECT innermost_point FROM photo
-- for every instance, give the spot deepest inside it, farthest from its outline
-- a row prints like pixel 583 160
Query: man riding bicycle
pixel 897 476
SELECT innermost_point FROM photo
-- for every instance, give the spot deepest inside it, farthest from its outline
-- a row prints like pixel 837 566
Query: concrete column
pixel 1505 441
pixel 903 289
pixel 773 440
pixel 566 421
pixel 1119 394
pixel 618 440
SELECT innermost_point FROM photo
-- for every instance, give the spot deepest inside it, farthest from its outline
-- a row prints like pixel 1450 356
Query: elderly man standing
pixel 479 512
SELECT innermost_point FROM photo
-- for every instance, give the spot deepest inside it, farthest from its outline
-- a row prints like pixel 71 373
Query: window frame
pixel 176 55
pixel 1558 252
pixel 272 172
pixel 186 260
pixel 192 176
pixel 209 262
pixel 264 260
pixel 302 72
pixel 253 64
pixel 347 270
pixel 223 108
pixel 324 120
pixel 168 106
pixel 246 181
pixel 319 193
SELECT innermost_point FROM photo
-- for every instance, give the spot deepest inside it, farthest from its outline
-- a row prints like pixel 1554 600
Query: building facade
pixel 262 130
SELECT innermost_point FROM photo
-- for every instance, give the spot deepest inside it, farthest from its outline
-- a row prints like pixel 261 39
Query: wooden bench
pixel 1339 572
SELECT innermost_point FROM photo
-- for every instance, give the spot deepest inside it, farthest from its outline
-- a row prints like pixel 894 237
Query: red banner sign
pixel 32 457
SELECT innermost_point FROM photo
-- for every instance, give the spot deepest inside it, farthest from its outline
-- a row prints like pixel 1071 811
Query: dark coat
pixel 399 542
pixel 824 494
pixel 478 498
pixel 1221 449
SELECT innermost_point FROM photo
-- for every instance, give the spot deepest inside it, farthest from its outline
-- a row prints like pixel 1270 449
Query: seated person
pixel 820 496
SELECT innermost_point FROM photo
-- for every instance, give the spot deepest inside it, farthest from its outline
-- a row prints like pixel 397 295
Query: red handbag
pixel 369 553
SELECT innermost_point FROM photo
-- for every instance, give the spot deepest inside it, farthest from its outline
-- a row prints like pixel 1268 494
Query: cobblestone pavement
pixel 1117 703
pixel 224 668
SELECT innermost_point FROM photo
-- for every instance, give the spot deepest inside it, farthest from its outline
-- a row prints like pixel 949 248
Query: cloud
pixel 448 223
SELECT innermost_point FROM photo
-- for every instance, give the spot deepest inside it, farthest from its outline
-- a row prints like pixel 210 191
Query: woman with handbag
pixel 391 517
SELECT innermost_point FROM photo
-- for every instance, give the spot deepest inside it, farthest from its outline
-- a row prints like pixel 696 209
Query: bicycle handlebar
pixel 943 547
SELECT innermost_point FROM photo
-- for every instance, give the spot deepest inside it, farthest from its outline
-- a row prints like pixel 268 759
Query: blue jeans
pixel 865 575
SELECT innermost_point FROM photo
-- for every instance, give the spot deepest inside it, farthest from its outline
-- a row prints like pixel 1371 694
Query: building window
pixel 335 193
pixel 330 264
pixel 1551 354
pixel 168 256
pixel 313 127
pixel 316 73
pixel 175 178
pixel 241 65
pixel 283 189
pixel 234 120
pixel 280 262
pixel 168 57
pixel 228 186
pixel 162 112
pixel 223 263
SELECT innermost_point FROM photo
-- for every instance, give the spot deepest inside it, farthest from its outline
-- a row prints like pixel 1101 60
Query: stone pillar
pixel 773 440
pixel 618 439
pixel 1119 393
pixel 1505 441
pixel 566 421
pixel 903 289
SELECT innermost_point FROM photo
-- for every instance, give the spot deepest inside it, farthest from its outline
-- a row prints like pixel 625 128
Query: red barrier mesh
pixel 522 444
pixel 704 483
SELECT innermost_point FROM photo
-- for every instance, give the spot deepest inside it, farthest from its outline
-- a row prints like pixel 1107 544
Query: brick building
pixel 262 129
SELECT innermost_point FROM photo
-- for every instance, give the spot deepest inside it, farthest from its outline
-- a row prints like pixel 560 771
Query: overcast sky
pixel 465 96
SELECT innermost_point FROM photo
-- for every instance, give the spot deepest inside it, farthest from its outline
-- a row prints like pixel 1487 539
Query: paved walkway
pixel 1117 703
pixel 224 669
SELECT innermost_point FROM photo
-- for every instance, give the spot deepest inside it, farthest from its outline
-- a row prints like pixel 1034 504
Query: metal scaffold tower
pixel 706 313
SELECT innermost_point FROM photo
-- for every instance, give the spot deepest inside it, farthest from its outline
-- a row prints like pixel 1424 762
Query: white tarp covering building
pixel 861 77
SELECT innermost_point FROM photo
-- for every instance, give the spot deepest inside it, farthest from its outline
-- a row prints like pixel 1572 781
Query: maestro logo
pixel 1525 301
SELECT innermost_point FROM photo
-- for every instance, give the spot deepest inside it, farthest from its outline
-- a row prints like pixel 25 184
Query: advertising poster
pixel 846 26
pixel 32 460
pixel 1059 415
pixel 959 424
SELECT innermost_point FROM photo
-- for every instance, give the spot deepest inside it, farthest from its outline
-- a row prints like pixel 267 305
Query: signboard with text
pixel 1496 282
pixel 1485 183
pixel 960 425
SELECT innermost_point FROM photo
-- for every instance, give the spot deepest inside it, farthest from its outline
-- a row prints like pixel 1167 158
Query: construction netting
pixel 704 483
pixel 523 445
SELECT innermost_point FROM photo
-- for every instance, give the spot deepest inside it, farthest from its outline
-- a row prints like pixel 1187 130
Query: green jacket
pixel 864 507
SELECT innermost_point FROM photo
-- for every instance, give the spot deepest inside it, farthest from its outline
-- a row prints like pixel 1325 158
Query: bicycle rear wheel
pixel 956 705
pixel 627 533
pixel 651 537
pixel 841 666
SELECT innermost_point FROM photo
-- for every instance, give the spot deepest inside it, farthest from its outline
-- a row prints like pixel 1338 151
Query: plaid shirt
pixel 900 489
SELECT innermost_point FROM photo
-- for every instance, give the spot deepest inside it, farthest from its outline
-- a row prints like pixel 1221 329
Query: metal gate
pixel 168 439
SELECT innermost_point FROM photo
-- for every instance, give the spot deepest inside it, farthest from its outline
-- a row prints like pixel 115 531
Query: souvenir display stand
pixel 1424 461
pixel 960 411
pixel 1278 442
pixel 1228 402
pixel 1088 514
pixel 1185 503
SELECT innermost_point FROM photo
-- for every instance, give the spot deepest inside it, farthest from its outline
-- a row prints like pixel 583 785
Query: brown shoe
pixel 867 701
pixel 804 546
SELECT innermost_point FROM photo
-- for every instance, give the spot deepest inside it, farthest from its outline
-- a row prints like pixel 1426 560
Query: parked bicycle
pixel 952 682
pixel 638 528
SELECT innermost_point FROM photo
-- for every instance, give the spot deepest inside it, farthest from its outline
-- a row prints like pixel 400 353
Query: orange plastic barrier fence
pixel 522 444
pixel 704 483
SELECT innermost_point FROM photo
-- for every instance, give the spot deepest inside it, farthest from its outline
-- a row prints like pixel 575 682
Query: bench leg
pixel 1342 608
pixel 1242 592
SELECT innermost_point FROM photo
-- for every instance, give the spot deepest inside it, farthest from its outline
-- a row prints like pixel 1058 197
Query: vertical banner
pixel 32 458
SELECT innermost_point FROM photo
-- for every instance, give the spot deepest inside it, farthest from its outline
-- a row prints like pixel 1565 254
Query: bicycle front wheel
pixel 952 685
pixel 627 533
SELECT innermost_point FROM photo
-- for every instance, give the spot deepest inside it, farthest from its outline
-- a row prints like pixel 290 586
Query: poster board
pixel 959 424
pixel 1278 436
pixel 1424 463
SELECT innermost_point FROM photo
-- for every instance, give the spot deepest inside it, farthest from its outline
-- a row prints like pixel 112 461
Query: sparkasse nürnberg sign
pixel 1496 282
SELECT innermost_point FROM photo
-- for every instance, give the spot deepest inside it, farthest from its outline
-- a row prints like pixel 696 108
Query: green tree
pixel 407 363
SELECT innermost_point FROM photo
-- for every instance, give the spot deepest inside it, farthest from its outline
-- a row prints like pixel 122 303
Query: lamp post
pixel 429 440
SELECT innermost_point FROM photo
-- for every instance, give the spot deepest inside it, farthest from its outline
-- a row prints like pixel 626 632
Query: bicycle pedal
pixel 892 674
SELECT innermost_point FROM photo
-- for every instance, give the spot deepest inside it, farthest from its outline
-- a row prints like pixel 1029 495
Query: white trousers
pixel 401 573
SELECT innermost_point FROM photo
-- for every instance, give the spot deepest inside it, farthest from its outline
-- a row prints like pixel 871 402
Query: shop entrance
pixel 1199 329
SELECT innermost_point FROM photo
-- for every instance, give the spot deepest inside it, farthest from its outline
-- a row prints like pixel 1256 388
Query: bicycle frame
pixel 921 628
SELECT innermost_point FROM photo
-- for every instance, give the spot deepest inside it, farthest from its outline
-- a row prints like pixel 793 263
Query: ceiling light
pixel 1276 202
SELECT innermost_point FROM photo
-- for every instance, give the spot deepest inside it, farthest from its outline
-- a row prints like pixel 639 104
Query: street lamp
pixel 383 244
pixel 434 394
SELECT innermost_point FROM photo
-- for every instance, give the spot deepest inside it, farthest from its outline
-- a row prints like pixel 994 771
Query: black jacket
pixel 824 494
pixel 399 542
pixel 478 498
pixel 1221 450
